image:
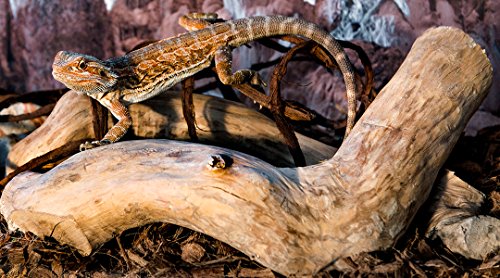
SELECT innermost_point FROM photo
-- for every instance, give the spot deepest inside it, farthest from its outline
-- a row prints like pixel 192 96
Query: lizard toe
pixel 94 144
pixel 257 80
pixel 87 146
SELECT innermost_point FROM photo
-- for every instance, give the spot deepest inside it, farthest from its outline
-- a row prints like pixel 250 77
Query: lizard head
pixel 83 73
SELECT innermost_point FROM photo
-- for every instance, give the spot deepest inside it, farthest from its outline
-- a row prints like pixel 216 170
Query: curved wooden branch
pixel 220 122
pixel 293 220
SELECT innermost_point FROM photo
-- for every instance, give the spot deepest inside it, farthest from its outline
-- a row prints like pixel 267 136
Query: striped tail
pixel 250 29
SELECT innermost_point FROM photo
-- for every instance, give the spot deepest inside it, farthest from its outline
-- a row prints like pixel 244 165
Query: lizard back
pixel 162 64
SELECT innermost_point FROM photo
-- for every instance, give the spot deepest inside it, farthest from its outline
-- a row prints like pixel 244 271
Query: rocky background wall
pixel 32 31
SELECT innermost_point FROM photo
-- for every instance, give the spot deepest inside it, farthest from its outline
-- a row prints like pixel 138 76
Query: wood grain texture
pixel 455 219
pixel 293 220
pixel 220 122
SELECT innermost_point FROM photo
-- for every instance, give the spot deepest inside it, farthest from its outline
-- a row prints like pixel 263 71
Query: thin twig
pixel 99 118
pixel 278 106
pixel 42 111
pixel 41 98
pixel 188 107
pixel 66 150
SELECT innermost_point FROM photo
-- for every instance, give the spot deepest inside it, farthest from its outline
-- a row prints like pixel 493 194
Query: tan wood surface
pixel 293 220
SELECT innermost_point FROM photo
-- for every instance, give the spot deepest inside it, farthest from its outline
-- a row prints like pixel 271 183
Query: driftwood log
pixel 293 220
pixel 455 218
pixel 220 122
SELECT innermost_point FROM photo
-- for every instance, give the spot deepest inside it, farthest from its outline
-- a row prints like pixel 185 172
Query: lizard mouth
pixel 57 75
pixel 87 85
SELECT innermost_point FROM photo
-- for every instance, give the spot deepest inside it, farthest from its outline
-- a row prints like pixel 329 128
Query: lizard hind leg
pixel 224 68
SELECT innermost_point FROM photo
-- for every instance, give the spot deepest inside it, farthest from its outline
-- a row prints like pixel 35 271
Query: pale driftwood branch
pixel 221 122
pixel 293 220
pixel 456 220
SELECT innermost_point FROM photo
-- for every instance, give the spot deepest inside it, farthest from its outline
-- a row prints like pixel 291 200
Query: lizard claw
pixel 87 146
pixel 257 80
pixel 94 144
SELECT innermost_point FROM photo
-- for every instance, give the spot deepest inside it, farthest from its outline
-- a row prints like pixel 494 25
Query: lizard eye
pixel 82 65
pixel 102 73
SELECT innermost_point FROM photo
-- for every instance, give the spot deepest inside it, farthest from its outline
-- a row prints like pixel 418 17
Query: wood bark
pixel 220 122
pixel 293 220
pixel 456 220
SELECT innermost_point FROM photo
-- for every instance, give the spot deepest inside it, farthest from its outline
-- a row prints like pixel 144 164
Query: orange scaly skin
pixel 146 72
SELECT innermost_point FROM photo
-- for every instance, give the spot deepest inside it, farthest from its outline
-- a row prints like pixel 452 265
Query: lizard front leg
pixel 224 68
pixel 118 130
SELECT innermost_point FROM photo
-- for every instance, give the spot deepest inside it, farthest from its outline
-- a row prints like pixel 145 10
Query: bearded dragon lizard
pixel 148 71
